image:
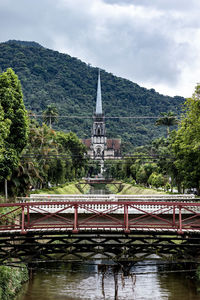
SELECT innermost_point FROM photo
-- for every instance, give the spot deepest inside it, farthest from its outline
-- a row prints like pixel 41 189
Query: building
pixel 99 147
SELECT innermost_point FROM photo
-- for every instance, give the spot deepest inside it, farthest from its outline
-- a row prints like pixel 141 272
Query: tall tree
pixel 167 119
pixel 13 123
pixel 71 144
pixel 50 115
pixel 186 143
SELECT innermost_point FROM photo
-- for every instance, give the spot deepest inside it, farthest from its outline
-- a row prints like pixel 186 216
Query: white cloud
pixel 154 43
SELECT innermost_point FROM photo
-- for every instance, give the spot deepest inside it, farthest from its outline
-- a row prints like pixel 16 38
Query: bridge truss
pixel 118 247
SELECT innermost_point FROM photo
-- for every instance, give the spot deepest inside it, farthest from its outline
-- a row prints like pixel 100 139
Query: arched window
pixel 98 151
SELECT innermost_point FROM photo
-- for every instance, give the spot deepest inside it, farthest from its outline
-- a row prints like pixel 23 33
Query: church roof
pixel 113 144
pixel 87 142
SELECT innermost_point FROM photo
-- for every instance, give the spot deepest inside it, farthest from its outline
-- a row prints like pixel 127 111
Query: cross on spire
pixel 99 100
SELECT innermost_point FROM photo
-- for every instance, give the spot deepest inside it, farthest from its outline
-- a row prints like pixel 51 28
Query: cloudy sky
pixel 155 43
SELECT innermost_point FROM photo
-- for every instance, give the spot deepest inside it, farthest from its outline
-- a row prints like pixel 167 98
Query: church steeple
pixel 99 100
pixel 99 139
pixel 99 147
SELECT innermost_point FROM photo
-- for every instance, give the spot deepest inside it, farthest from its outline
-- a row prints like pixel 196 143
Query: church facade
pixel 99 146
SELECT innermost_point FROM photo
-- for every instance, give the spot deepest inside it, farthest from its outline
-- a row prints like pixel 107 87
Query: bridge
pixel 101 180
pixel 118 227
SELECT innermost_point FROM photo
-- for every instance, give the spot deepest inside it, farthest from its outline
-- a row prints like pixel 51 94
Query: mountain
pixel 48 76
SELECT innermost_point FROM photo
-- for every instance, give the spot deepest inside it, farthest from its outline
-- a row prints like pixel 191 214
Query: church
pixel 99 146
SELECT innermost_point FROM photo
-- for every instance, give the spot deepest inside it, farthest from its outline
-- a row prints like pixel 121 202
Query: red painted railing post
pixel 23 221
pixel 75 230
pixel 126 225
pixel 174 215
pixel 28 216
pixel 180 221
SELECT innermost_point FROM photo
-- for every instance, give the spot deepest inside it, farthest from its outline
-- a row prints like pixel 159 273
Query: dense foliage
pixel 148 166
pixel 48 76
pixel 13 123
pixel 186 144
pixel 50 158
pixel 167 162
pixel 11 280
pixel 33 155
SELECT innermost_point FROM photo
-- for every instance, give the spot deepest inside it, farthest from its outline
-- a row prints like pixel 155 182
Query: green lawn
pixel 129 189
pixel 67 189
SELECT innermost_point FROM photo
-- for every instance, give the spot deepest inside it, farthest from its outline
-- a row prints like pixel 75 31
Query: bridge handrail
pixel 100 203
pixel 170 214
pixel 114 195
pixel 109 197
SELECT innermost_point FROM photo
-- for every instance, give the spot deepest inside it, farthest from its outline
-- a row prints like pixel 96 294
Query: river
pixel 149 280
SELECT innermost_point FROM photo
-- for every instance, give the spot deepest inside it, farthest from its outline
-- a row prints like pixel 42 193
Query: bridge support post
pixel 23 222
pixel 126 226
pixel 75 230
pixel 174 216
pixel 28 216
pixel 180 221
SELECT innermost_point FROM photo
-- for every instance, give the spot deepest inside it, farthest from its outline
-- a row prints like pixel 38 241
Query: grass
pixel 69 188
pixel 11 280
pixel 129 189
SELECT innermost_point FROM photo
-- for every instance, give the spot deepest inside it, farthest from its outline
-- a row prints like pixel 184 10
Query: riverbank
pixel 11 280
pixel 69 188
pixel 129 189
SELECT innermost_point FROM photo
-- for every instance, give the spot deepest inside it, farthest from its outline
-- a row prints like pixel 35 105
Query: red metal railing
pixel 128 216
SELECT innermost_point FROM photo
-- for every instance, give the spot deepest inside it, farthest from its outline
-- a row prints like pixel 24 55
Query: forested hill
pixel 48 76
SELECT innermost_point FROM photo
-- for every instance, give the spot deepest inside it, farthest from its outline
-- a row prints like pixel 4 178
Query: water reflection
pixel 75 282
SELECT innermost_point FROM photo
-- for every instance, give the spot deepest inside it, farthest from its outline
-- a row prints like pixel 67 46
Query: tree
pixel 39 163
pixel 70 144
pixel 50 115
pixel 50 157
pixel 13 123
pixel 156 180
pixel 167 119
pixel 186 144
pixel 4 131
pixel 42 143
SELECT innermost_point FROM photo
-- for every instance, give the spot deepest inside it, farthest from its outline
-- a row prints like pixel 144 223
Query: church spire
pixel 99 100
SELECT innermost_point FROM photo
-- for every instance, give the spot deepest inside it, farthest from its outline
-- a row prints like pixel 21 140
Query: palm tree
pixel 50 115
pixel 168 119
pixel 35 162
